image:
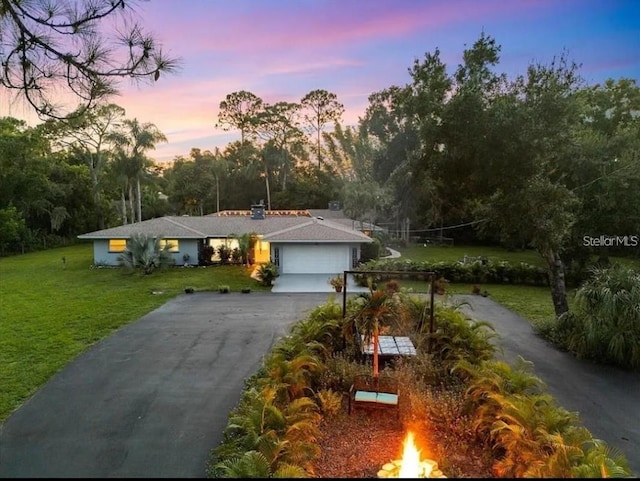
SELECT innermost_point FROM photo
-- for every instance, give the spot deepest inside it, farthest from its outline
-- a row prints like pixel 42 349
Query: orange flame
pixel 410 466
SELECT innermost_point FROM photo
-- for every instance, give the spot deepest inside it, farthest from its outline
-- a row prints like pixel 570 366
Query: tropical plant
pixel 455 337
pixel 283 435
pixel 267 273
pixel 329 401
pixel 132 140
pixel 292 377
pixel 605 322
pixel 224 252
pixel 145 252
pixel 376 311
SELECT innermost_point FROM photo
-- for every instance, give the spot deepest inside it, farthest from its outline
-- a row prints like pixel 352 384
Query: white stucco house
pixel 296 241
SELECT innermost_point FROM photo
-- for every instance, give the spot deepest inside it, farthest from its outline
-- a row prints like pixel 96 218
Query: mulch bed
pixel 358 445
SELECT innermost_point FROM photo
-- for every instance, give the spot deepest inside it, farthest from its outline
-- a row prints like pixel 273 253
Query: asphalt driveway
pixel 606 398
pixel 152 399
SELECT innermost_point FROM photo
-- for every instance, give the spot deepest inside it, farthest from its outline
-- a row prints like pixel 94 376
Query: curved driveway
pixel 606 398
pixel 152 399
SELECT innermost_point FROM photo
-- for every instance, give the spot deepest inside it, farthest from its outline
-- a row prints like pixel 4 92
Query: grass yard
pixel 419 252
pixel 51 311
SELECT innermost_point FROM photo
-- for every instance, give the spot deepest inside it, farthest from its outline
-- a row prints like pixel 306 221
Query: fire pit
pixel 411 466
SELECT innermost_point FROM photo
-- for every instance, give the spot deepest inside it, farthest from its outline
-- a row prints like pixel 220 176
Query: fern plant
pixel 330 402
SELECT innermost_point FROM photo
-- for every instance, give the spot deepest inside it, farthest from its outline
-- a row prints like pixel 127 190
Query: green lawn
pixel 532 303
pixel 51 311
pixel 418 252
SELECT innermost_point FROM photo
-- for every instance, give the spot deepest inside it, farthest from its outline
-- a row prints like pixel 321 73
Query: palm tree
pixel 378 309
pixel 132 141
pixel 146 253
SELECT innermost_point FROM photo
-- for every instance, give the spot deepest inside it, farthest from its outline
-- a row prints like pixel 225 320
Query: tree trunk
pixel 138 199
pixel 555 269
pixel 375 355
pixel 217 194
pixel 266 181
pixel 131 209
pixel 123 207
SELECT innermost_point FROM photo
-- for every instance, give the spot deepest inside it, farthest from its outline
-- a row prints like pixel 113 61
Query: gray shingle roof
pixel 315 230
pixel 200 227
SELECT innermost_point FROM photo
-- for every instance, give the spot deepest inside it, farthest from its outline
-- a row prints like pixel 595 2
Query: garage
pixel 319 259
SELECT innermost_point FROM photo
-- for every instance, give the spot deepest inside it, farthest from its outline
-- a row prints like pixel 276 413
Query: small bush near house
pixel 205 254
pixel 145 253
pixel 224 253
pixel 267 273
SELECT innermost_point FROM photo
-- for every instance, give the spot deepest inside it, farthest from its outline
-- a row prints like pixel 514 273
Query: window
pixel 276 256
pixel 354 257
pixel 117 245
pixel 174 245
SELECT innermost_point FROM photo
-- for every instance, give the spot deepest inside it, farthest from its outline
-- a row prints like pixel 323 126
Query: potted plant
pixel 337 282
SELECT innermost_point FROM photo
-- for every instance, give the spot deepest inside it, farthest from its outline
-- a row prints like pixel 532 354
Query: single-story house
pixel 296 241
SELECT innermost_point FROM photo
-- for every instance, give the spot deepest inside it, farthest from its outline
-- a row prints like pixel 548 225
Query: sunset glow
pixel 281 50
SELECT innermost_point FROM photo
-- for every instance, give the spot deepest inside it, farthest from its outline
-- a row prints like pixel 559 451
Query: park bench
pixel 368 391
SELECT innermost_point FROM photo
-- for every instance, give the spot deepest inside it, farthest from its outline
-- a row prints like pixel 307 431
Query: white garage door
pixel 312 259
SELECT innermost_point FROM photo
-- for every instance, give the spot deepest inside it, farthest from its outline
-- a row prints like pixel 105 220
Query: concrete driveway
pixel 289 283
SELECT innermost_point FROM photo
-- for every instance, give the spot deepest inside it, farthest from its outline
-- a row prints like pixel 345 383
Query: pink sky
pixel 283 49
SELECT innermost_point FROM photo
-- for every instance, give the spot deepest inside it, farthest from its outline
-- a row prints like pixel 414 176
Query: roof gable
pixel 316 230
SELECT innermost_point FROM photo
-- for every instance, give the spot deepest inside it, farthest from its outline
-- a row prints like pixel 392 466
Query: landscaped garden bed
pixel 472 416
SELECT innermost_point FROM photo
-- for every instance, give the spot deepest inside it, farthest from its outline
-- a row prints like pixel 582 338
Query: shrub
pixel 205 254
pixel 370 251
pixel 329 401
pixel 477 272
pixel 224 289
pixel 267 273
pixel 144 252
pixel 605 323
pixel 224 253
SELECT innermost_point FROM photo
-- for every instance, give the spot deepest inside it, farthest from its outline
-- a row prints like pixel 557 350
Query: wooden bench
pixel 368 391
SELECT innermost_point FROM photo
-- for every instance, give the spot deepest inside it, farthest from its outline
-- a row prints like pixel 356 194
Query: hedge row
pixel 477 272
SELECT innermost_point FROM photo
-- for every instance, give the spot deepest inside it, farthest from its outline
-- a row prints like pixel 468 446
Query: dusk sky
pixel 282 49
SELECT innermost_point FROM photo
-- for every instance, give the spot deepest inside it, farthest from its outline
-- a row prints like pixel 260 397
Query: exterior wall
pixel 188 247
pixel 102 256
